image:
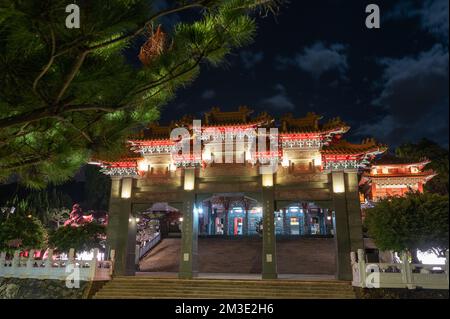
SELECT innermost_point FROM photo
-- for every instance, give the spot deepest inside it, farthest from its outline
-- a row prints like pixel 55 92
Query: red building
pixel 391 176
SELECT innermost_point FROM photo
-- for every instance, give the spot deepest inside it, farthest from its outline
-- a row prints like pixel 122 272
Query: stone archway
pixel 228 239
pixel 305 239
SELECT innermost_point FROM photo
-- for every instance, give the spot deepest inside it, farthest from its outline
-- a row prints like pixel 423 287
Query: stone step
pixel 220 297
pixel 236 295
pixel 218 289
pixel 215 287
pixel 209 282
pixel 221 290
pixel 132 287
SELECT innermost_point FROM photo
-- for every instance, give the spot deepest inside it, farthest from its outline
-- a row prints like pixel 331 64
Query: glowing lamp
pixel 180 219
pixel 338 183
pixel 285 162
pixel 318 161
pixel 189 179
pixel 127 184
pixel 207 156
pixel 267 180
pixel 143 165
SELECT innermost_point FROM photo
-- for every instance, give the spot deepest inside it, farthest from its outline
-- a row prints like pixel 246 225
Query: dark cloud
pixel 318 59
pixel 250 59
pixel 433 15
pixel 414 97
pixel 279 101
pixel 208 94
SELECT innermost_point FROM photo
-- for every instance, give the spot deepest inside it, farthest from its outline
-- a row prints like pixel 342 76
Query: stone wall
pixel 15 288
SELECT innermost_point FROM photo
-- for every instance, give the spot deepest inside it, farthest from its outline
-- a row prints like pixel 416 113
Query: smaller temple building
pixel 393 176
pixel 390 176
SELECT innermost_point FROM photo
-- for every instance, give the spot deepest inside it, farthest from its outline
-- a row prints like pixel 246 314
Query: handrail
pixel 149 245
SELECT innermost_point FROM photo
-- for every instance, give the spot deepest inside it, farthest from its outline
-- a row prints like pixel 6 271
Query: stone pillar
pixel 354 211
pixel 269 257
pixel 245 225
pixel 246 213
pixel 189 232
pixel 226 206
pixel 348 229
pixel 121 230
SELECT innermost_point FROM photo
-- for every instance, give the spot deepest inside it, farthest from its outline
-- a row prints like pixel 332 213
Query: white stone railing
pixel 398 275
pixel 50 268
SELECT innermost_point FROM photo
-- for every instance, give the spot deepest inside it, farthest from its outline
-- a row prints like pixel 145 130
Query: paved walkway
pixel 242 257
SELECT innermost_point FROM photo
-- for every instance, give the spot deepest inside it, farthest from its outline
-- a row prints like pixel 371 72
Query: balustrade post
pixel 112 257
pixel 93 265
pixel 407 271
pixel 362 268
pixel 355 274
pixel 30 262
pixel 446 265
pixel 30 259
pixel 3 261
pixel 49 261
pixel 71 255
pixel 49 264
pixel 16 259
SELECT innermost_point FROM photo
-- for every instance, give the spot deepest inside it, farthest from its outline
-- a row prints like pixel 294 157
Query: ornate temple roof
pixel 153 132
pixel 306 133
pixel 343 147
pixel 311 124
pixel 392 160
pixel 242 116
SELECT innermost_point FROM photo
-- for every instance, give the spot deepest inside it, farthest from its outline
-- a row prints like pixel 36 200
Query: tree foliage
pixel 82 238
pixel 42 204
pixel 417 221
pixel 97 189
pixel 68 95
pixel 27 231
pixel 439 162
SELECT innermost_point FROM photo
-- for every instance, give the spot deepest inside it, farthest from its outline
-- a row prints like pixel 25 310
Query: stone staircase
pixel 158 288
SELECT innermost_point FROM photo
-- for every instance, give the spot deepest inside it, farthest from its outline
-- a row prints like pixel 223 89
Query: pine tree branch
pixel 48 65
pixel 76 67
pixel 197 4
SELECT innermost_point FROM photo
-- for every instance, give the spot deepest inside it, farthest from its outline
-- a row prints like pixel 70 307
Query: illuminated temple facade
pixel 314 190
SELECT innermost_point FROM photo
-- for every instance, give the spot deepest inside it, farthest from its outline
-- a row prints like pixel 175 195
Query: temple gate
pixel 314 165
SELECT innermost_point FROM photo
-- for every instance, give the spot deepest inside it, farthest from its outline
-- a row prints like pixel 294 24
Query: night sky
pixel 389 83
